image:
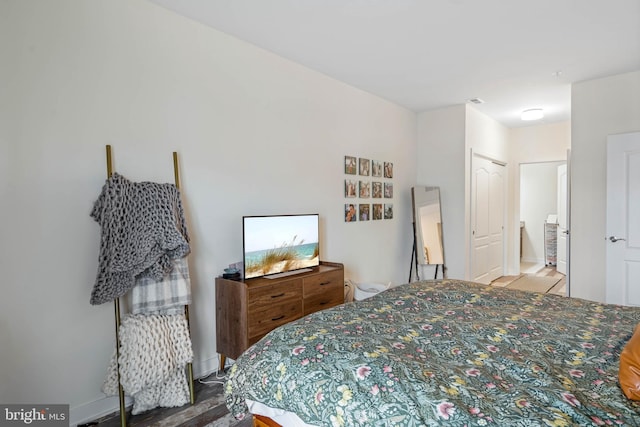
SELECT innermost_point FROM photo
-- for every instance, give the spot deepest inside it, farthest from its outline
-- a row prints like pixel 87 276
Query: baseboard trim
pixel 206 367
pixel 533 260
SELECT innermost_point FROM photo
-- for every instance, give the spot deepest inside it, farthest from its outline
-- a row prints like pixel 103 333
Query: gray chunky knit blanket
pixel 142 229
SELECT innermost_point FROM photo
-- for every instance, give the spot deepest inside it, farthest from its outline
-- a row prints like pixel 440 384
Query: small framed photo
pixel 376 168
pixel 388 170
pixel 350 214
pixel 388 190
pixel 377 211
pixel 365 189
pixel 365 164
pixel 350 188
pixel 350 165
pixel 376 190
pixel 388 210
pixel 364 212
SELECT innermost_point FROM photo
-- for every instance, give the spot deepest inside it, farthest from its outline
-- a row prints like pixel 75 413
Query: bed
pixel 442 352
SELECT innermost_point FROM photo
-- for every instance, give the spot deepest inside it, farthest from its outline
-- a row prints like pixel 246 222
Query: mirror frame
pixel 419 203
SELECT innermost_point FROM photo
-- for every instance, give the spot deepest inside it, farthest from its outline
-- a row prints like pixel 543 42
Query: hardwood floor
pixel 209 410
pixel 559 288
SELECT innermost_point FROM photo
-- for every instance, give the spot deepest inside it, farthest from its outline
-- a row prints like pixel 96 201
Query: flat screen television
pixel 275 245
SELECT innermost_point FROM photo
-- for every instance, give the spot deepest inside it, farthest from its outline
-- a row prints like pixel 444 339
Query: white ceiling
pixel 428 54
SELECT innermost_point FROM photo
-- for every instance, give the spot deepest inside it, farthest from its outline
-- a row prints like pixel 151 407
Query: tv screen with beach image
pixel 279 244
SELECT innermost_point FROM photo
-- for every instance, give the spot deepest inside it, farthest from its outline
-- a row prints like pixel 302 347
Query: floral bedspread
pixel 444 353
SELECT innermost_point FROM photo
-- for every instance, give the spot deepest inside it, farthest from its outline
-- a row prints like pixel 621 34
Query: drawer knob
pixel 277 296
pixel 324 283
pixel 278 318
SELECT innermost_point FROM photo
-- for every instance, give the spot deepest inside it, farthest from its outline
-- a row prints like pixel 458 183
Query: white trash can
pixel 367 290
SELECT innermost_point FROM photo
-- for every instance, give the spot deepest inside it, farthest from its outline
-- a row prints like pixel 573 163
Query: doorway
pixel 543 218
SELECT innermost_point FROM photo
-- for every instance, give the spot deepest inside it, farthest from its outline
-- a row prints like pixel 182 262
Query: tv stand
pixel 246 310
pixel 287 273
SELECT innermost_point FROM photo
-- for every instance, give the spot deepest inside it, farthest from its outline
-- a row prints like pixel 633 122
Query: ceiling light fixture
pixel 532 114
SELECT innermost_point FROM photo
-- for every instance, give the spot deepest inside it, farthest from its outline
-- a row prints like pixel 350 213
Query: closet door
pixel 487 219
pixel 623 219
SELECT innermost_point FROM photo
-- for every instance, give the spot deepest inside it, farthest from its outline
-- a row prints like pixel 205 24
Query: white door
pixel 487 220
pixel 561 250
pixel 623 219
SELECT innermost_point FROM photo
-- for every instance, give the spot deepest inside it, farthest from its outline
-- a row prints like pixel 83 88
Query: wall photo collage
pixel 370 180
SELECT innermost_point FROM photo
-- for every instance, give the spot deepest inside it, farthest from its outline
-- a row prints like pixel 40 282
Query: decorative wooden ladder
pixel 123 412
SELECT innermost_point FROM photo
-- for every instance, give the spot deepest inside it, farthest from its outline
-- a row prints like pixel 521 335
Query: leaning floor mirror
pixel 428 248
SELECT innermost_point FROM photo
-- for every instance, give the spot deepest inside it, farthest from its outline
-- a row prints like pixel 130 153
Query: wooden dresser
pixel 247 310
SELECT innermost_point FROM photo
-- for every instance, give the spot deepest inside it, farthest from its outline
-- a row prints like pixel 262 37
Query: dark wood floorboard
pixel 209 409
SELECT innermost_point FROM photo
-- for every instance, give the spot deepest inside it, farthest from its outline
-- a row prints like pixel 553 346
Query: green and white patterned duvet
pixel 444 353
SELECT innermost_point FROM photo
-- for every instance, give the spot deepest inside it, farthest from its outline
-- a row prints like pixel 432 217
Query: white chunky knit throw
pixel 154 351
pixel 142 230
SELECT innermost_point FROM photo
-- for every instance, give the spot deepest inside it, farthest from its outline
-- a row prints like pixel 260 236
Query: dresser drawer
pixel 267 296
pixel 262 320
pixel 323 283
pixel 273 305
pixel 322 301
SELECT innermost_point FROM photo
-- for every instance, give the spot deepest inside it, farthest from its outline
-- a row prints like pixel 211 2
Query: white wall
pixel 446 138
pixel 488 138
pixel 485 136
pixel 540 143
pixel 531 144
pixel 256 134
pixel 599 108
pixel 440 159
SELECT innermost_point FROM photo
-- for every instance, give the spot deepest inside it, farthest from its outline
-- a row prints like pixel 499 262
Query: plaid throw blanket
pixel 166 296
